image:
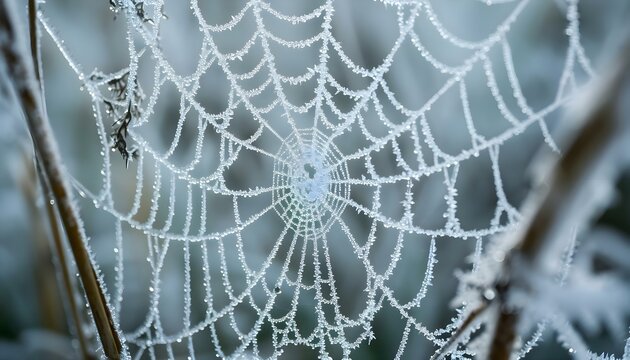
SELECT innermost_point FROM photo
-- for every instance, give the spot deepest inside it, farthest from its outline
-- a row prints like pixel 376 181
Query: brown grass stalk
pixel 21 74
pixel 66 279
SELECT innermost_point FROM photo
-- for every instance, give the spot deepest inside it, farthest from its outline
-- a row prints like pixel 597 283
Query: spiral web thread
pixel 311 187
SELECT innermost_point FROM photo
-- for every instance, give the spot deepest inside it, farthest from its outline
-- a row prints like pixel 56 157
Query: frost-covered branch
pixel 20 73
pixel 514 274
pixel 69 287
pixel 578 185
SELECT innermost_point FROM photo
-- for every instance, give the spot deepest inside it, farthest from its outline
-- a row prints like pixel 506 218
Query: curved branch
pixel 556 207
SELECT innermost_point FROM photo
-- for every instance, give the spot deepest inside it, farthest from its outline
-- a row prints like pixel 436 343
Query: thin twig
pixel 51 214
pixel 63 265
pixel 21 74
pixel 33 38
pixel 49 293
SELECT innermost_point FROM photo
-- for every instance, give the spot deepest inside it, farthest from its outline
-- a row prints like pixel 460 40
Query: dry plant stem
pixel 33 36
pixel 20 71
pixel 48 292
pixel 51 214
pixel 63 265
pixel 548 207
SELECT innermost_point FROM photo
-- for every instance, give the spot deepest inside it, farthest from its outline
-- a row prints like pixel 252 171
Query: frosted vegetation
pixel 265 179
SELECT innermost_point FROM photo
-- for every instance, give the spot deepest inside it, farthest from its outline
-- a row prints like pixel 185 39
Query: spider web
pixel 268 209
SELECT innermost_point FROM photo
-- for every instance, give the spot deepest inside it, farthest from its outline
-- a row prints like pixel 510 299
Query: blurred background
pixel 33 313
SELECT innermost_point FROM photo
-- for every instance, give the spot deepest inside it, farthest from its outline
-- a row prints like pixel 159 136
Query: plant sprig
pixel 123 115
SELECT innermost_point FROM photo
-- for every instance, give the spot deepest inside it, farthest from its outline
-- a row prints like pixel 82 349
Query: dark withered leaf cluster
pixel 138 6
pixel 123 109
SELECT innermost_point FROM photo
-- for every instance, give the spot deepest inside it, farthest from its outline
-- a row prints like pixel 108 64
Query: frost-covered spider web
pixel 288 190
